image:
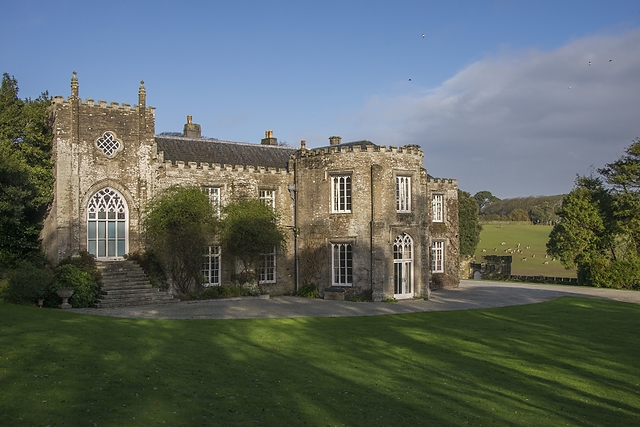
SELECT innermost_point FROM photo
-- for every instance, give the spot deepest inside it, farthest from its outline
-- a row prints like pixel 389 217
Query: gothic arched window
pixel 107 216
pixel 403 266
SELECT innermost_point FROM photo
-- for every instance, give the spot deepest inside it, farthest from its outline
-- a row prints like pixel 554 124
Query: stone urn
pixel 65 294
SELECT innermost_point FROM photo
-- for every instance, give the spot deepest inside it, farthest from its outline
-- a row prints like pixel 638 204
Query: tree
pixel 518 215
pixel 484 198
pixel 249 228
pixel 469 226
pixel 26 171
pixel 542 213
pixel 538 209
pixel 178 225
pixel 599 230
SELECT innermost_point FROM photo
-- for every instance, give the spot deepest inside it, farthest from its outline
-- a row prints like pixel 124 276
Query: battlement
pixel 168 165
pixel 361 148
pixel 75 90
pixel 442 181
pixel 59 100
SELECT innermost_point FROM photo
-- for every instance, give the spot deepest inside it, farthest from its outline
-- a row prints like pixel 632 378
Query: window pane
pixel 121 251
pixel 111 248
pixel 111 230
pixel 91 230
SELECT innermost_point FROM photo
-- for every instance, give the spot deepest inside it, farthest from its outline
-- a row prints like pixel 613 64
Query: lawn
pixel 530 260
pixel 571 361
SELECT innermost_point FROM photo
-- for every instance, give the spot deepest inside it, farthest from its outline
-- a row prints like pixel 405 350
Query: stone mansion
pixel 362 217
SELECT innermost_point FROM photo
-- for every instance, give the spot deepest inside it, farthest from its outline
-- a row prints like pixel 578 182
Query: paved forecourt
pixel 471 294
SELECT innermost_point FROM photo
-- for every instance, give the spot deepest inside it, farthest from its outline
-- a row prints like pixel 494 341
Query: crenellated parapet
pixel 450 181
pixel 61 102
pixel 360 147
pixel 217 167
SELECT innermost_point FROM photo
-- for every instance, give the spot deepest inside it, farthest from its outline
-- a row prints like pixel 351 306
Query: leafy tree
pixel 484 198
pixel 249 228
pixel 623 177
pixel 518 215
pixel 26 171
pixel 542 213
pixel 580 235
pixel 178 225
pixel 539 209
pixel 599 231
pixel 469 228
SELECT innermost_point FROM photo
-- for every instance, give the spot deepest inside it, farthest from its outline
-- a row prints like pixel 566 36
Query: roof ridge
pixel 251 144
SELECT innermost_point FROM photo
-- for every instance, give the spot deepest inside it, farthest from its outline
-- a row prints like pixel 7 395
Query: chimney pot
pixel 303 144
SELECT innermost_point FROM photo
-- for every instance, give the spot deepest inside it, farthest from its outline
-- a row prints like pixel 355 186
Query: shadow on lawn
pixel 548 364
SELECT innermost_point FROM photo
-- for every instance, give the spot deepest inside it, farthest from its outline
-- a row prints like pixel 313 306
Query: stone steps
pixel 125 284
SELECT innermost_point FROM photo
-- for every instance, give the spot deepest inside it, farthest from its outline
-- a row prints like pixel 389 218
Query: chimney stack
pixel 192 130
pixel 269 139
pixel 303 144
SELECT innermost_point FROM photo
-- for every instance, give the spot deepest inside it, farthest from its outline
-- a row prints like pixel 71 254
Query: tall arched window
pixel 107 216
pixel 403 266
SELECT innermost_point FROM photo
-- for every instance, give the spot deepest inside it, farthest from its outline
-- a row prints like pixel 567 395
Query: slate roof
pixel 206 150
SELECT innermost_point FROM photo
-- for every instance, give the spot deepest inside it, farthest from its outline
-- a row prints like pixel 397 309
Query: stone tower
pixel 104 157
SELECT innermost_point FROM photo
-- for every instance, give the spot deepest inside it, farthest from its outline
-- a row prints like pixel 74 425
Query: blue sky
pixel 499 94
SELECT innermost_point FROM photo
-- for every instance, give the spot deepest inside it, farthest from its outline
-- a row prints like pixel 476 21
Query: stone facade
pixel 363 217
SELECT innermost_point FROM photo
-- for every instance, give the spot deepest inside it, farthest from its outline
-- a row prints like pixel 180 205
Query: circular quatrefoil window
pixel 109 144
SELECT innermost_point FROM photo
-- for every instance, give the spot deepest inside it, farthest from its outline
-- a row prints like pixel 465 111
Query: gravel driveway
pixel 471 294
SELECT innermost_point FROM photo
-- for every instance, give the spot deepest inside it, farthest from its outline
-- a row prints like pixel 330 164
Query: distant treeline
pixel 536 209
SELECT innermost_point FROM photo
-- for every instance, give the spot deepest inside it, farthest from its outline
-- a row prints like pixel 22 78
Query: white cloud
pixel 522 123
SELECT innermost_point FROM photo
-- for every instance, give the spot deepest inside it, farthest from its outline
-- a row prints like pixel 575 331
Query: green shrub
pixel 26 284
pixel 84 285
pixel 308 291
pixel 603 273
pixel 85 262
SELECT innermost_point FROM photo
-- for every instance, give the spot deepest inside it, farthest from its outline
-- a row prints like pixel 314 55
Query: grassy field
pixel 530 260
pixel 572 361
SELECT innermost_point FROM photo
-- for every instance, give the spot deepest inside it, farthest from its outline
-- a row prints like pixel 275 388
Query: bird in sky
pixel 423 36
pixel 589 63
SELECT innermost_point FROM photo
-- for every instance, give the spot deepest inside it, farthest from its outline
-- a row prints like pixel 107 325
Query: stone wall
pixel 445 231
pixel 239 182
pixel 82 168
pixel 494 267
pixel 373 223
